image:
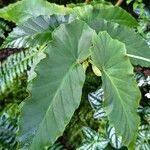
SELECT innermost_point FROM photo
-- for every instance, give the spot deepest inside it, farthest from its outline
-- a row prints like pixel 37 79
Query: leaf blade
pixel 25 9
pixel 120 90
pixel 134 43
pixel 62 76
pixel 92 14
pixel 35 31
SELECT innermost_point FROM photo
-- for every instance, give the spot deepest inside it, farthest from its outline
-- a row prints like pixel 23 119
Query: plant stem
pixel 87 1
pixel 138 57
pixel 119 2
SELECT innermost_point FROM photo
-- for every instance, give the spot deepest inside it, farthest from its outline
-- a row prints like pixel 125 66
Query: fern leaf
pixel 8 127
pixel 34 32
pixel 3 27
pixel 57 146
pixel 15 65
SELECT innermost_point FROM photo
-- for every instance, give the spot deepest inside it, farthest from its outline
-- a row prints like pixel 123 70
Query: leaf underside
pixel 35 31
pixel 134 43
pixel 57 89
pixel 120 90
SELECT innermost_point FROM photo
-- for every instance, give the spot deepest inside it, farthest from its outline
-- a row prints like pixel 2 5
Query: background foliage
pixel 88 118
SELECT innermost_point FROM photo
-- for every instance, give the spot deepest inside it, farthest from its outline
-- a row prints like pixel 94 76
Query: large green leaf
pixel 57 89
pixel 14 66
pixel 35 31
pixel 120 90
pixel 135 44
pixel 92 14
pixel 22 10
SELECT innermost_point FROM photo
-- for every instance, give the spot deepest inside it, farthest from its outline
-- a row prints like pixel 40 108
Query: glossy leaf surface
pixel 57 89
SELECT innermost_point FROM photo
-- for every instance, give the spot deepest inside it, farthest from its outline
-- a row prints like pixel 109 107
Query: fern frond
pixel 8 131
pixel 35 32
pixel 3 27
pixel 57 146
pixel 15 65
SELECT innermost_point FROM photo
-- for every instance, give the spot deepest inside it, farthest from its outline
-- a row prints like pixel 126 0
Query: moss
pixel 14 94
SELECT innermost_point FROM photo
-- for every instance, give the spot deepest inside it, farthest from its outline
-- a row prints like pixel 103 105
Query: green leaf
pixel 121 93
pixel 115 140
pixel 57 146
pixel 92 14
pixel 35 31
pixel 146 112
pixel 25 9
pixel 57 89
pixel 93 140
pixel 16 64
pixel 8 127
pixel 96 99
pixel 3 28
pixel 134 43
pixel 143 140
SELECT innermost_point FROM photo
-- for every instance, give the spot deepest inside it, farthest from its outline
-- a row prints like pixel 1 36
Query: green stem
pixel 138 57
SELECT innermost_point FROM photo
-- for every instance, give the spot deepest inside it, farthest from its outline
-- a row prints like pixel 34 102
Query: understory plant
pixel 54 45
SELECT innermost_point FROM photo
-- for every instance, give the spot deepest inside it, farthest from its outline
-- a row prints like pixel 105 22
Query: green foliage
pixel 57 146
pixel 35 31
pixel 138 4
pixel 93 140
pixel 15 65
pixel 8 127
pixel 3 27
pixel 64 43
pixel 92 15
pixel 143 140
pixel 128 37
pixel 64 79
pixel 83 116
pixel 115 140
pixel 96 101
pixel 115 66
pixel 25 9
